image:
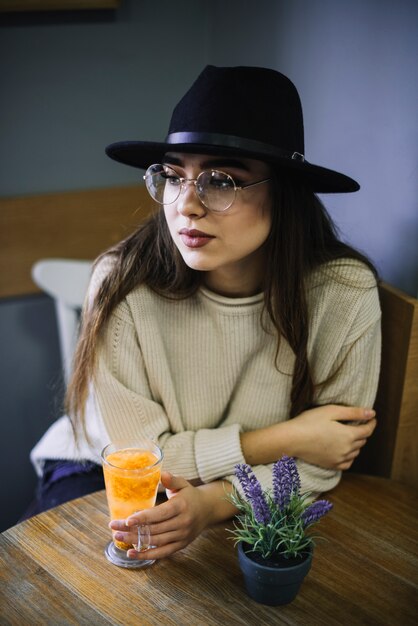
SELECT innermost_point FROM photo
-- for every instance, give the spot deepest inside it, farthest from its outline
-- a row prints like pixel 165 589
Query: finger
pixel 360 432
pixel 354 414
pixel 156 553
pixel 163 539
pixel 344 466
pixel 354 447
pixel 358 444
pixel 363 431
pixel 159 539
pixel 159 513
pixel 118 524
pixel 351 456
pixel 164 527
pixel 173 483
pixel 127 537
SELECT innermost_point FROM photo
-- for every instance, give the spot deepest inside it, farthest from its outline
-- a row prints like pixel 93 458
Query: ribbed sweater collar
pixel 231 303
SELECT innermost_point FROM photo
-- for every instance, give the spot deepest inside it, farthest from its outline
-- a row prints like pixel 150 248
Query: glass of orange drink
pixel 132 471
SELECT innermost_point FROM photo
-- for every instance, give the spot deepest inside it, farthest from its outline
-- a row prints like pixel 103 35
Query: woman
pixel 233 326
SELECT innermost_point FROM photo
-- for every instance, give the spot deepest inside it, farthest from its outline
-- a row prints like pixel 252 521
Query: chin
pixel 198 266
pixel 196 262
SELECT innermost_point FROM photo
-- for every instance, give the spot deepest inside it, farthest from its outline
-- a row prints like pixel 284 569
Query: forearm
pixel 322 436
pixel 266 445
pixel 283 440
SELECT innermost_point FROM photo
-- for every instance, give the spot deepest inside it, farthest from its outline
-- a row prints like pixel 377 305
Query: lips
pixel 194 233
pixel 193 238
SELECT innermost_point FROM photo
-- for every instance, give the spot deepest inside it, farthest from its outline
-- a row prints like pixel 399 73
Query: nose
pixel 188 202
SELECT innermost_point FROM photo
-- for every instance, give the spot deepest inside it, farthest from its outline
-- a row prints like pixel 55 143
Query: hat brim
pixel 142 154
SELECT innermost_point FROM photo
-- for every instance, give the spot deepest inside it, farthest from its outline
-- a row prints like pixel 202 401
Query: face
pixel 228 246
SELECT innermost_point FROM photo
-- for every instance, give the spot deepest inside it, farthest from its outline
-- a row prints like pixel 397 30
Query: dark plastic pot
pixel 272 585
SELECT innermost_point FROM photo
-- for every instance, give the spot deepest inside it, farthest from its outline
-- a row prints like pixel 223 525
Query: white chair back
pixel 66 281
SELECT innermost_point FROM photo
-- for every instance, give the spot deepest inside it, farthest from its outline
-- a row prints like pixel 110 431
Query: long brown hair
pixel 302 238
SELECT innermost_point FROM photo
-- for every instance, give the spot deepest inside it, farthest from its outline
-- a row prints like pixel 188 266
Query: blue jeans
pixel 62 481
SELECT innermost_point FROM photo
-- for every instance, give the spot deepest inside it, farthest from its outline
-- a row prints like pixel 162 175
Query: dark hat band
pixel 228 141
pixel 217 116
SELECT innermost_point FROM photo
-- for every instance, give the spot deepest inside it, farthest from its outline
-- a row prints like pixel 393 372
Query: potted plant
pixel 272 531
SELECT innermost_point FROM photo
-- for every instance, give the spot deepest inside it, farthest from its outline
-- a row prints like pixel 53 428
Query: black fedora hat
pixel 249 111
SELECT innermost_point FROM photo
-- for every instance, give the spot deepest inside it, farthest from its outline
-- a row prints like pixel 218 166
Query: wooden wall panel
pixel 76 224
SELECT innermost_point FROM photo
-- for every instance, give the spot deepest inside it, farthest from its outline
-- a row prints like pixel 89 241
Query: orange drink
pixel 132 472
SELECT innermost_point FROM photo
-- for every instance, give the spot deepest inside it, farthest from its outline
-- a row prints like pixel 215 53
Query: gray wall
pixel 354 63
pixel 73 82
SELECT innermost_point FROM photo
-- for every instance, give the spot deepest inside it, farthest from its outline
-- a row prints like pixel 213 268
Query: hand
pixel 173 524
pixel 319 437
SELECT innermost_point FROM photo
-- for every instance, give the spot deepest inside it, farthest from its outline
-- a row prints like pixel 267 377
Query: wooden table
pixel 53 569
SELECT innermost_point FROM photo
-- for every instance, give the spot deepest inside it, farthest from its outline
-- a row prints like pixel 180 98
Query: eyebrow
pixel 215 162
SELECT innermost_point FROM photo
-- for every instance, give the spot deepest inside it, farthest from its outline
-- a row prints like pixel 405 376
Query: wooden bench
pixel 393 449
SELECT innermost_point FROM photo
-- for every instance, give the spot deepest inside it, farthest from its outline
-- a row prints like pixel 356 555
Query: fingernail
pixel 370 413
pixel 132 554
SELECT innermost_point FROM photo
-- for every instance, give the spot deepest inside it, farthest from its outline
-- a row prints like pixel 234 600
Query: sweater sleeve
pixel 352 381
pixel 355 385
pixel 130 406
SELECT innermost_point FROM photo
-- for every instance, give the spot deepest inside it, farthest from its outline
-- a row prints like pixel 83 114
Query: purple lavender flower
pixel 315 511
pixel 286 481
pixel 253 492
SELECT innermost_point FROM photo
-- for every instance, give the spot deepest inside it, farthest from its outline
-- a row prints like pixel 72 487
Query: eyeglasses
pixel 216 190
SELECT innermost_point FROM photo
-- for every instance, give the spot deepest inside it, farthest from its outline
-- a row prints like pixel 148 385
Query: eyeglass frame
pixel 184 181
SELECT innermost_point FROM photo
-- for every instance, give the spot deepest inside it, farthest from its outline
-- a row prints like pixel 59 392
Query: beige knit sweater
pixel 195 373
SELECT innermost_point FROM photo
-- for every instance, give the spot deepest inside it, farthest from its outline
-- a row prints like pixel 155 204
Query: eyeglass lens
pixel 215 189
